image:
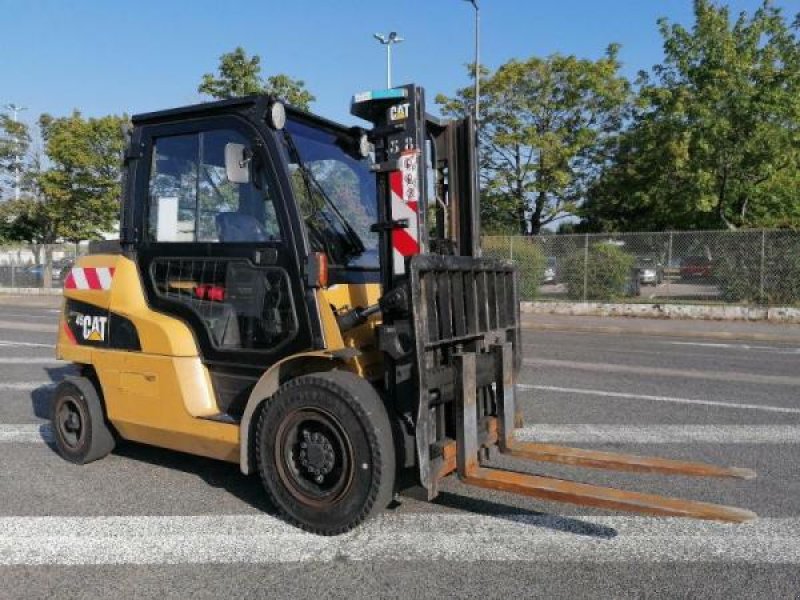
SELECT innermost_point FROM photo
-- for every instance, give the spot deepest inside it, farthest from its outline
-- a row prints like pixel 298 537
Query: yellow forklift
pixel 309 300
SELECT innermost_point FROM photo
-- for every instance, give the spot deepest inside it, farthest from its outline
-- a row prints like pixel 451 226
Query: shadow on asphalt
pixel 226 476
pixel 522 516
pixel 215 473
pixel 42 397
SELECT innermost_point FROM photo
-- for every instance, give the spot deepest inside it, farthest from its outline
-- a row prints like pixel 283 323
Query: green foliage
pixel 607 272
pixel 81 189
pixel 77 196
pixel 528 256
pixel 15 140
pixel 240 75
pixel 716 138
pixel 545 125
pixel 738 269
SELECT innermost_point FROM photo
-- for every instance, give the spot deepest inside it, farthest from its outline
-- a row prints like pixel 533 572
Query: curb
pixel 710 312
pixel 658 332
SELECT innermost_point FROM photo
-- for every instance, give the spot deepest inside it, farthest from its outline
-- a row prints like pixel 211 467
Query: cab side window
pixel 193 200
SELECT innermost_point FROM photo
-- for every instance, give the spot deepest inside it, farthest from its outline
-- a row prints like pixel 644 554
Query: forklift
pixel 309 300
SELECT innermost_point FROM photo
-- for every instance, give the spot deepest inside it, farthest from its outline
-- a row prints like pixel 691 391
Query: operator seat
pixel 239 227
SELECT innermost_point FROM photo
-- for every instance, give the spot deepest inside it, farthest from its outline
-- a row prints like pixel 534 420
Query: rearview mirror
pixel 237 163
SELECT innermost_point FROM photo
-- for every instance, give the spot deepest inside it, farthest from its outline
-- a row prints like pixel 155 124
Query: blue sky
pixel 107 56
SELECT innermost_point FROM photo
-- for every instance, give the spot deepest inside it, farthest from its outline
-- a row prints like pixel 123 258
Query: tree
pixel 77 196
pixel 15 140
pixel 716 138
pixel 545 125
pixel 81 189
pixel 240 75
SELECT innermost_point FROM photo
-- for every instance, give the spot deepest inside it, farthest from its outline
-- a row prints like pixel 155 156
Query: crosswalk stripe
pixel 32 433
pixel 26 433
pixel 632 396
pixel 727 376
pixel 264 539
pixel 25 385
pixel 33 360
pixel 662 434
pixel 16 344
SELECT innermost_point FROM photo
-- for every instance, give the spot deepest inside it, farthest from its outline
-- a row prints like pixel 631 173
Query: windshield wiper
pixel 357 246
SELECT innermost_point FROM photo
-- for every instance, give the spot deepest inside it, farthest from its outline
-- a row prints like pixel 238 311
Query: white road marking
pixel 14 343
pixel 605 394
pixel 662 434
pixel 771 349
pixel 463 538
pixel 27 433
pixel 31 361
pixel 728 376
pixel 25 386
pixel 23 315
pixel 32 433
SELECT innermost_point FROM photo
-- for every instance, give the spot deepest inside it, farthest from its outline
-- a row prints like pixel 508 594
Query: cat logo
pixel 93 328
pixel 399 112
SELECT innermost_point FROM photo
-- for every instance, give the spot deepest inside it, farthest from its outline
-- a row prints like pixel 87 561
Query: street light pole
pixel 388 40
pixel 14 108
pixel 477 59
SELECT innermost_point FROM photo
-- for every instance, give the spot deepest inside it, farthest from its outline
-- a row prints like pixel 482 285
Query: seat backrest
pixel 238 227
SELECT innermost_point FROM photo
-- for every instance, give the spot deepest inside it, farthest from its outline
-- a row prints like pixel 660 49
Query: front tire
pixel 79 426
pixel 325 452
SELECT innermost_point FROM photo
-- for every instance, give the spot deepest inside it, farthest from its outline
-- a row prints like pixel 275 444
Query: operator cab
pixel 231 203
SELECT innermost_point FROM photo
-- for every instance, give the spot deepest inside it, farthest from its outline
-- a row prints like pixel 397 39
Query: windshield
pixel 336 193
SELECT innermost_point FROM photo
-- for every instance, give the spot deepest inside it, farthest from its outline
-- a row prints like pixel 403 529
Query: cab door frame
pixel 292 250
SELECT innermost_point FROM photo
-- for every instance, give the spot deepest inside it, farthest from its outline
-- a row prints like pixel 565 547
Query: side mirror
pixel 237 163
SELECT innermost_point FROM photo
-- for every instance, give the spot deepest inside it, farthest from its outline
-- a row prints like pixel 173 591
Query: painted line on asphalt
pixel 32 360
pixel 630 396
pixel 14 343
pixel 4 315
pixel 662 434
pixel 767 349
pixel 32 433
pixel 27 386
pixel 26 433
pixel 460 538
pixel 729 376
pixel 38 327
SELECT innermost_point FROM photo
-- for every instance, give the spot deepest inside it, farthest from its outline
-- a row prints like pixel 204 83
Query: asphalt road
pixel 154 523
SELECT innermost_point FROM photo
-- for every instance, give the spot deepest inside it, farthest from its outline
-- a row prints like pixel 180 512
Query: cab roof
pixel 256 105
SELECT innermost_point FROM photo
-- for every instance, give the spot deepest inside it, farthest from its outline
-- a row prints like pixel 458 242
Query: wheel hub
pixel 70 423
pixel 316 454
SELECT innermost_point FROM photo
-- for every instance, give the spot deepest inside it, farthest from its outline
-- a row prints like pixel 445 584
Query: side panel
pixel 156 394
pixel 159 400
pixel 121 294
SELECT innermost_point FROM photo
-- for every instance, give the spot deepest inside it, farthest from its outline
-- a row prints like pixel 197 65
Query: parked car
pixel 34 275
pixel 550 270
pixel 696 267
pixel 651 272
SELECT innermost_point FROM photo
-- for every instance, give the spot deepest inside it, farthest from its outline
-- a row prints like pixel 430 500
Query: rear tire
pixel 325 452
pixel 80 430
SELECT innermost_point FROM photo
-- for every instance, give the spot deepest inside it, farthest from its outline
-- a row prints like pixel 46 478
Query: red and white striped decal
pixel 404 185
pixel 89 278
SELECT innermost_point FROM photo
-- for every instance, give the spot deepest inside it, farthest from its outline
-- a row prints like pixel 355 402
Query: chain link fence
pixel 27 266
pixel 754 267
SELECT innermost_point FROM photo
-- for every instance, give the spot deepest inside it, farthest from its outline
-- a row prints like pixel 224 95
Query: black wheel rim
pixel 70 422
pixel 314 457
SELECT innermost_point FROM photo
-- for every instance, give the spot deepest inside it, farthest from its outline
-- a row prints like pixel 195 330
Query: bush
pixel 737 269
pixel 528 256
pixel 608 270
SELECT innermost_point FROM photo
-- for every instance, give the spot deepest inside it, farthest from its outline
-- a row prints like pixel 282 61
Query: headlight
pixel 364 146
pixel 276 115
